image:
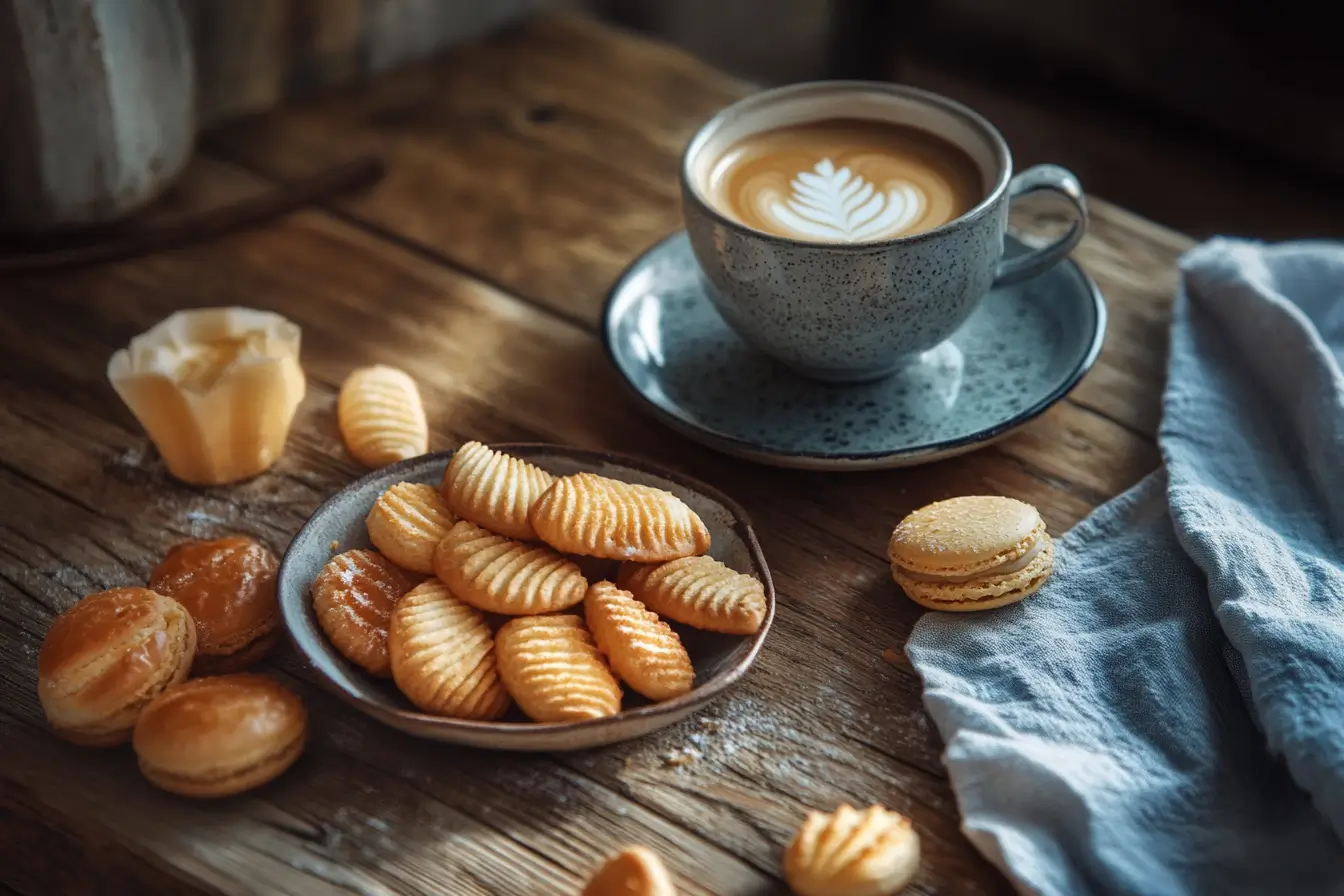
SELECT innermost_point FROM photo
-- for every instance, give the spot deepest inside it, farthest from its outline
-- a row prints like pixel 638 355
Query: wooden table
pixel 525 172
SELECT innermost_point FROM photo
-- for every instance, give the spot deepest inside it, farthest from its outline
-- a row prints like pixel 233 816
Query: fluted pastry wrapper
pixel 215 388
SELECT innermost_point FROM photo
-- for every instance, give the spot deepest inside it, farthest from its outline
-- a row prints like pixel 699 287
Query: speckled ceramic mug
pixel 857 311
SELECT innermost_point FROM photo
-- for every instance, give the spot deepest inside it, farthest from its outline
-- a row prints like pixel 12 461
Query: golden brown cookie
pixel 218 736
pixel 407 522
pixel 971 553
pixel 634 871
pixel 851 853
pixel 553 670
pixel 502 575
pixel 643 650
pixel 443 656
pixel 493 490
pixel 599 517
pixel 106 657
pixel 353 597
pixel 698 591
pixel 381 417
pixel 228 587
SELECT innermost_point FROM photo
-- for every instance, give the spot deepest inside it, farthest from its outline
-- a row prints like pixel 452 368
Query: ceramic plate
pixel 1023 349
pixel 720 660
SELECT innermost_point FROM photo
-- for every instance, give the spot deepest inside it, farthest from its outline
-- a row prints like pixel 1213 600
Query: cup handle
pixel 1056 180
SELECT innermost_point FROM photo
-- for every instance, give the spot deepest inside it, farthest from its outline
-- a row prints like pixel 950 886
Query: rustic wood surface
pixel 524 172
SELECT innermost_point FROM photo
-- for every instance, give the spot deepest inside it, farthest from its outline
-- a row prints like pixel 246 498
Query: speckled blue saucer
pixel 1022 350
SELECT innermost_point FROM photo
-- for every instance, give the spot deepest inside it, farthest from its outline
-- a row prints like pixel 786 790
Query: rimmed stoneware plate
pixel 1023 349
pixel 720 660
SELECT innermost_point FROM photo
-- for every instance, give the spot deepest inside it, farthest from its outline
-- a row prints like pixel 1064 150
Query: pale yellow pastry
pixel 700 592
pixel 443 656
pixel 600 517
pixel 215 388
pixel 215 737
pixel 634 871
pixel 851 853
pixel 106 657
pixel 381 417
pixel 643 650
pixel 971 553
pixel 407 522
pixel 553 670
pixel 494 490
pixel 353 597
pixel 228 587
pixel 502 575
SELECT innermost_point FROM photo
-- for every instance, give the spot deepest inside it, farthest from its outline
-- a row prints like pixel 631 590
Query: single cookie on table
pixel 353 597
pixel 494 490
pixel 851 853
pixel 643 650
pixel 699 592
pixel 599 517
pixel 228 587
pixel 553 670
pixel 218 736
pixel 407 522
pixel 443 655
pixel 503 575
pixel 106 657
pixel 634 871
pixel 971 553
pixel 381 417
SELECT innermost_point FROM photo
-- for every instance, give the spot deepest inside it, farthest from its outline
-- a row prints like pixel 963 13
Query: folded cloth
pixel 1167 714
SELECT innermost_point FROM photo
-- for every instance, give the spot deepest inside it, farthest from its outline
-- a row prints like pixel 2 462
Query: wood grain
pixel 479 270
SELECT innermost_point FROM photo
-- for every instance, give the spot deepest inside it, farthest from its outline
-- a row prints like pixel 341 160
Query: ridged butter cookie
pixel 599 517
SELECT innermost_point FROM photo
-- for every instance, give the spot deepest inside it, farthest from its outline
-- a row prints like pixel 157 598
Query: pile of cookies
pixel 114 668
pixel 507 585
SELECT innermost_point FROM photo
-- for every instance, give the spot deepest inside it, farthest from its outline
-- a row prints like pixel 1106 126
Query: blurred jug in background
pixel 97 109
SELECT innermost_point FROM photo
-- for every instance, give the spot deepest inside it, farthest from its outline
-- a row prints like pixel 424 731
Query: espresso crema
pixel 844 181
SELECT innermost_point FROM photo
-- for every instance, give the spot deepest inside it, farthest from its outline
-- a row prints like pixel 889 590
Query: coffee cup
pixel 847 227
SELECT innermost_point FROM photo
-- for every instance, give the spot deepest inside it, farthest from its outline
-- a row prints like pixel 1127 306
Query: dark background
pixel 1210 117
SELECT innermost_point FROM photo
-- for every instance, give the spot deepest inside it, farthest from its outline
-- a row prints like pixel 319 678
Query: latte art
pixel 827 203
pixel 844 181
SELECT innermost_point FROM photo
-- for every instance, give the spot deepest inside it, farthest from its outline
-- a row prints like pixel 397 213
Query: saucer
pixel 1023 349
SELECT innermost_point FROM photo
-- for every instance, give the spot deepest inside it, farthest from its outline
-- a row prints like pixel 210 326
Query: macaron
pixel 106 657
pixel 228 587
pixel 971 553
pixel 214 737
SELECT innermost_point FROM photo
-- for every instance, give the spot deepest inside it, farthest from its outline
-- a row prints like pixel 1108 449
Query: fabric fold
pixel 1167 714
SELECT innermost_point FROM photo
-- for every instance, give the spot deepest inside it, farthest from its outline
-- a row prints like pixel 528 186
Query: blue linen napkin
pixel 1167 714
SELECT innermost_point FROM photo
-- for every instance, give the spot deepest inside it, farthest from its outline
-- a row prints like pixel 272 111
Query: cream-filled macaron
pixel 219 736
pixel 106 657
pixel 971 553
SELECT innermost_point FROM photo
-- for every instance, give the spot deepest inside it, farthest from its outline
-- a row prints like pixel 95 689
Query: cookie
pixel 599 517
pixel 700 592
pixel 406 524
pixel 493 490
pixel 553 670
pixel 228 587
pixel 634 871
pixel 643 650
pixel 971 553
pixel 851 853
pixel 503 575
pixel 381 417
pixel 106 657
pixel 353 597
pixel 218 736
pixel 443 656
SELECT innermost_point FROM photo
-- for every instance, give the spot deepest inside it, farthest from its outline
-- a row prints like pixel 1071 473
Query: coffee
pixel 844 181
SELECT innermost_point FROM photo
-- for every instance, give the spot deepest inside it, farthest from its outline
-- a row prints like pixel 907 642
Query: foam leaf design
pixel 836 204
